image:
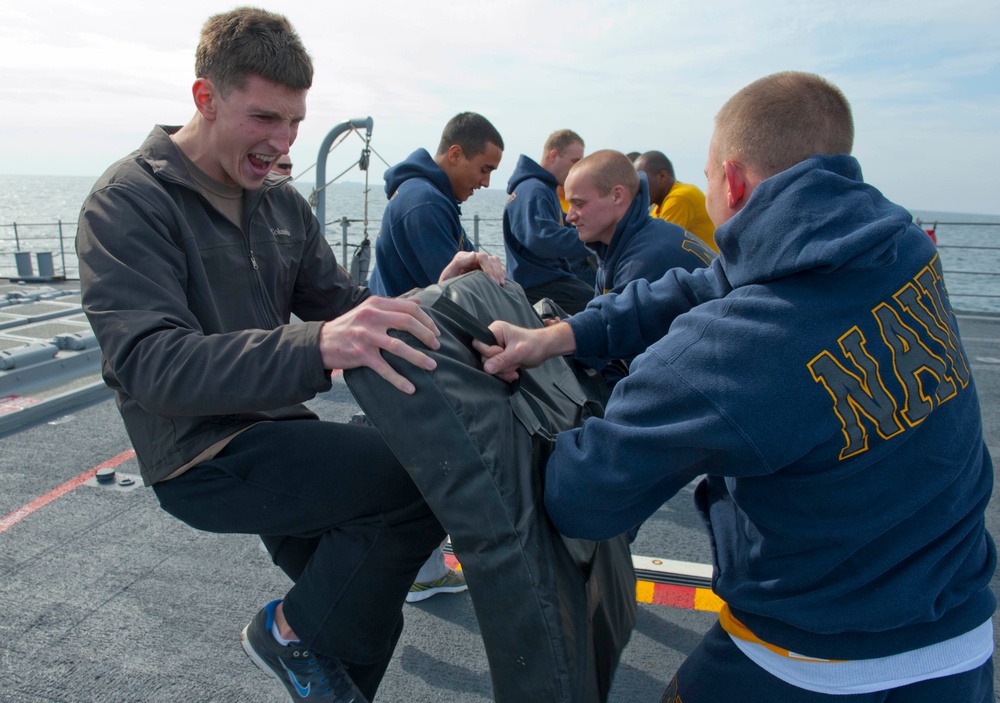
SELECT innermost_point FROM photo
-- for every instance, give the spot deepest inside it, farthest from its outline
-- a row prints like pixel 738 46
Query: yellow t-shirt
pixel 685 206
pixel 562 198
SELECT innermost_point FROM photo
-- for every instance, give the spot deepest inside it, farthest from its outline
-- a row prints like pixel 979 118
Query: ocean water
pixel 43 207
pixel 34 210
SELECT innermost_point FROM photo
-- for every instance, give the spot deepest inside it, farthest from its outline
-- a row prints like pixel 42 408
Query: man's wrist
pixel 559 340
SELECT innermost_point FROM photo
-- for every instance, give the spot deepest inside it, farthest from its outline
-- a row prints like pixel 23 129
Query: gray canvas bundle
pixel 555 613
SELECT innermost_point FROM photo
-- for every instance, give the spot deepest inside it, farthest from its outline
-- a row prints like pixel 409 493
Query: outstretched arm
pixel 518 347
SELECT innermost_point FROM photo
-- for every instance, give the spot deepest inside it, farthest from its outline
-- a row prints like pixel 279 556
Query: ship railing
pixel 40 252
pixel 971 264
pixel 347 248
pixel 50 246
pixel 23 244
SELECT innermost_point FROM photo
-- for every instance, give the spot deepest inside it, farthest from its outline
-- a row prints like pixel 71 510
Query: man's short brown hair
pixel 561 139
pixel 783 119
pixel 608 168
pixel 248 42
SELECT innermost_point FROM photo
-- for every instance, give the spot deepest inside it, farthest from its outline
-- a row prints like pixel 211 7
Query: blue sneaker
pixel 305 676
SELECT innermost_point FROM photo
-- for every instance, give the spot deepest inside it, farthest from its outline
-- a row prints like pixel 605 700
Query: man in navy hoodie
pixel 544 255
pixel 814 374
pixel 421 234
pixel 421 226
pixel 609 206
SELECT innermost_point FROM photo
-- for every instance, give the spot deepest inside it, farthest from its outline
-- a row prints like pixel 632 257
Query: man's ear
pixel 736 183
pixel 205 97
pixel 618 194
pixel 455 154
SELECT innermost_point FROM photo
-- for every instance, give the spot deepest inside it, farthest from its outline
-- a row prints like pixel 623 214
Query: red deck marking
pixel 13 403
pixel 40 502
pixel 674 596
pixel 687 597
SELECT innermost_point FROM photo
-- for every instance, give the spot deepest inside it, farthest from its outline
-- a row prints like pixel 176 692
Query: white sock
pixel 278 638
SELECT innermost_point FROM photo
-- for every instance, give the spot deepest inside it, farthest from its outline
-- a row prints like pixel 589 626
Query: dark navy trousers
pixel 571 294
pixel 718 672
pixel 338 514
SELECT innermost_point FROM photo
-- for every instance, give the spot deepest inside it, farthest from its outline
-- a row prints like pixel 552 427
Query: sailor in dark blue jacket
pixel 544 255
pixel 422 237
pixel 421 226
pixel 815 374
pixel 609 206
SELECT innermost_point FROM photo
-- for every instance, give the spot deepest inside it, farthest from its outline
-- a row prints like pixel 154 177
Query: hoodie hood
pixel 419 164
pixel 528 168
pixel 818 215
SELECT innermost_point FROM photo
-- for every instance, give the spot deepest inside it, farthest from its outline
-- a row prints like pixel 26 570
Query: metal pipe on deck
pixel 365 123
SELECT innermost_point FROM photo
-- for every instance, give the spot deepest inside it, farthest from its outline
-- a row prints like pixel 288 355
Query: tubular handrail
pixel 365 123
pixel 27 242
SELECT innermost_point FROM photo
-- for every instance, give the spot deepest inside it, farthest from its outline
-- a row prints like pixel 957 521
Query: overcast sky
pixel 83 82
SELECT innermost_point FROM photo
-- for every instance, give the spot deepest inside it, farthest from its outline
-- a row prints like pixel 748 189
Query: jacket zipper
pixel 260 293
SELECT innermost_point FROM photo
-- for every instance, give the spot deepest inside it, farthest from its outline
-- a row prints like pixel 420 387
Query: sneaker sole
pixel 254 657
pixel 418 596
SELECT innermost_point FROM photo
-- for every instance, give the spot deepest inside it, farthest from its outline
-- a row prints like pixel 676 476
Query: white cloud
pixel 86 82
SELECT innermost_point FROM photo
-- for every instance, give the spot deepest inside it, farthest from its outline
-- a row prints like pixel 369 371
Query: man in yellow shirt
pixel 680 203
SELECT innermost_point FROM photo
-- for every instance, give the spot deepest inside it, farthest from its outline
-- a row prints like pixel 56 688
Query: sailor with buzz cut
pixel 609 206
pixel 814 376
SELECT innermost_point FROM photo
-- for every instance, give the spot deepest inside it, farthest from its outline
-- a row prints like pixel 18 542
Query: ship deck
pixel 109 599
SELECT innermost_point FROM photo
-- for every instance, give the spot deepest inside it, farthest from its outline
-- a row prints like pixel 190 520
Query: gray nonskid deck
pixel 109 599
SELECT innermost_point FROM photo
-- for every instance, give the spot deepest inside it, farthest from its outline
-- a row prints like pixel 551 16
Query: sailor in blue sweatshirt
pixel 815 375
pixel 545 255
pixel 421 227
pixel 422 241
pixel 609 206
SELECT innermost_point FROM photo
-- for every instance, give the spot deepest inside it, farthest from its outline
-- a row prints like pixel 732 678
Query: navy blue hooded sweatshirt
pixel 541 248
pixel 421 227
pixel 814 372
pixel 645 247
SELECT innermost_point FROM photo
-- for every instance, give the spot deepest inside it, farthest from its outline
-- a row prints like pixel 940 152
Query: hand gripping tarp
pixel 555 613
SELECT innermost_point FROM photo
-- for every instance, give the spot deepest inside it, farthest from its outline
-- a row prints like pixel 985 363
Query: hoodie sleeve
pixel 621 325
pixel 612 473
pixel 421 241
pixel 536 221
